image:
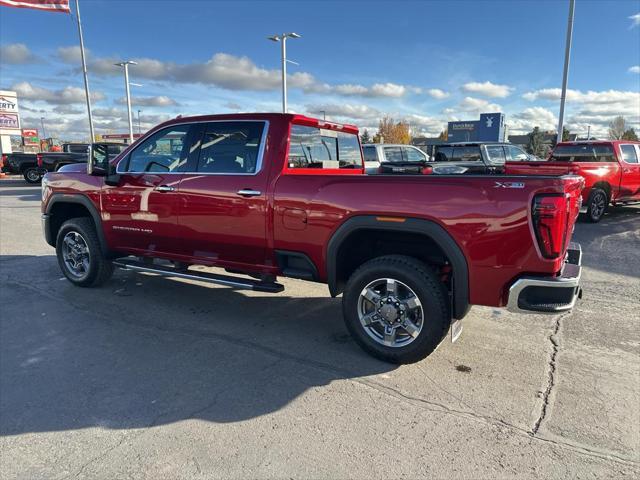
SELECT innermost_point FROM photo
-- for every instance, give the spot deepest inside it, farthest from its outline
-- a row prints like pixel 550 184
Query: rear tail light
pixel 2 160
pixel 550 222
pixel 39 160
pixel 428 170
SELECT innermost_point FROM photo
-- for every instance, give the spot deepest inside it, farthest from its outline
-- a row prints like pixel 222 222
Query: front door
pixel 140 213
pixel 223 196
pixel 630 179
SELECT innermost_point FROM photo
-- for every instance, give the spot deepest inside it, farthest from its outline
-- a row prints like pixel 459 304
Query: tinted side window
pixel 444 154
pixel 516 154
pixel 230 147
pixel 370 154
pixel 78 148
pixel 496 153
pixel 165 151
pixel 413 155
pixel 629 153
pixel 466 154
pixel 312 147
pixel 393 154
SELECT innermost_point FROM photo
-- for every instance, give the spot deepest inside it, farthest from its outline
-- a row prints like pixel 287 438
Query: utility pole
pixel 44 132
pixel 139 131
pixel 565 74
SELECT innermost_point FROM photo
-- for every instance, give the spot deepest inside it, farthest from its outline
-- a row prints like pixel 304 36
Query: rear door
pixel 140 213
pixel 630 163
pixel 223 195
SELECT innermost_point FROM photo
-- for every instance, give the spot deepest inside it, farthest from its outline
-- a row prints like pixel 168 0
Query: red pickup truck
pixel 267 195
pixel 611 170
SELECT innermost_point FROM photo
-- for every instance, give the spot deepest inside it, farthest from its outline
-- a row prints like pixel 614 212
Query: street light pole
pixel 283 48
pixel 125 65
pixel 565 74
pixel 139 131
pixel 588 132
pixel 44 132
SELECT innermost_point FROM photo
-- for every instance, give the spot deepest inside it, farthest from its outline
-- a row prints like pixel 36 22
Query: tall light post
pixel 139 131
pixel 125 65
pixel 283 44
pixel 565 74
pixel 44 132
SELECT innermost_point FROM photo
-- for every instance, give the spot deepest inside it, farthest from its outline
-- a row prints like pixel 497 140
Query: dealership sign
pixel 9 113
pixel 8 120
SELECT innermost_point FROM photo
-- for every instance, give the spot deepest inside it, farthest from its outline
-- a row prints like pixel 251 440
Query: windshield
pixel 583 153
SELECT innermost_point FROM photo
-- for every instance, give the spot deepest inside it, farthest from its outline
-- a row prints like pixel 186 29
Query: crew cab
pixel 611 170
pixel 476 157
pixel 268 195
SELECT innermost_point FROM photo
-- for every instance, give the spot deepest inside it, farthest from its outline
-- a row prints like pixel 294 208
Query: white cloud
pixel 488 89
pixel 389 90
pixel 635 20
pixel 634 69
pixel 477 105
pixel 159 101
pixel 345 111
pixel 70 54
pixel 529 118
pixel 438 94
pixel 16 54
pixel 66 96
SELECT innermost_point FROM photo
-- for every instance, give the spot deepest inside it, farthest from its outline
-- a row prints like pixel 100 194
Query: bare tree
pixel 617 128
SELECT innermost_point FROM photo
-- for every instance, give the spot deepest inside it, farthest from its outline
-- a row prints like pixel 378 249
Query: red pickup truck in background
pixel 267 195
pixel 611 170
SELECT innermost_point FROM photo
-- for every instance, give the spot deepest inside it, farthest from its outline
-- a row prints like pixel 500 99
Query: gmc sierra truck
pixel 610 168
pixel 268 195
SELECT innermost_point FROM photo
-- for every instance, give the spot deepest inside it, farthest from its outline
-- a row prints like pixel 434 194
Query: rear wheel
pixel 597 205
pixel 79 254
pixel 32 175
pixel 395 307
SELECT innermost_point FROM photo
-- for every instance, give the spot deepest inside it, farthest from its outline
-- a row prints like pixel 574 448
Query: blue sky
pixel 426 62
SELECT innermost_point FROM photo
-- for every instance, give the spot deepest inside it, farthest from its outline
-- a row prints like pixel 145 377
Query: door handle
pixel 164 188
pixel 626 170
pixel 247 192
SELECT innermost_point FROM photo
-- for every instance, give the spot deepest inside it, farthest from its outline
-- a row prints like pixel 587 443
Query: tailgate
pixel 537 168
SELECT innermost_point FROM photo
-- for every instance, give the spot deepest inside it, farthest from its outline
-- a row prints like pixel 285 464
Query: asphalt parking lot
pixel 154 378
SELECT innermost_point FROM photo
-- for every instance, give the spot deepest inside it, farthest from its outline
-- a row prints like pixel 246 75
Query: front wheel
pixel 395 307
pixel 32 175
pixel 597 205
pixel 79 254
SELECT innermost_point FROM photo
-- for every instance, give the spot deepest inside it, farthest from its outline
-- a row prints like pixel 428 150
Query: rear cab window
pixel 322 150
pixel 583 153
pixel 496 153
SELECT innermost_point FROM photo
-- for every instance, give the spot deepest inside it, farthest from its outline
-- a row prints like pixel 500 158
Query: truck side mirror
pixel 98 161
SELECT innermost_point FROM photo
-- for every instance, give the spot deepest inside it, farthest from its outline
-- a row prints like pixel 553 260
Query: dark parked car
pixel 72 153
pixel 476 157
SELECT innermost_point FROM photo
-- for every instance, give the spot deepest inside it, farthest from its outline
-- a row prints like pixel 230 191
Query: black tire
pixel 99 269
pixel 426 286
pixel 32 175
pixel 597 205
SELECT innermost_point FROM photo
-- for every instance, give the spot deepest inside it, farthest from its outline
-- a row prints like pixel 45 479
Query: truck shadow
pixel 603 242
pixel 144 351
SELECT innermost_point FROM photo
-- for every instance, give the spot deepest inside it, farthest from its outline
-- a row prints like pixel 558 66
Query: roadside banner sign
pixel 48 5
pixel 30 136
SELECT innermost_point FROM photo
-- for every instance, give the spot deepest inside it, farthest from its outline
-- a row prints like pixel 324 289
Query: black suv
pixel 476 157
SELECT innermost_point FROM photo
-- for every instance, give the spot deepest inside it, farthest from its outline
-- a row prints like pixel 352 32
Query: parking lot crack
pixel 551 375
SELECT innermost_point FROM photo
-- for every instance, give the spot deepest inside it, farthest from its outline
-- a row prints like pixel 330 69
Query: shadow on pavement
pixel 144 351
pixel 600 241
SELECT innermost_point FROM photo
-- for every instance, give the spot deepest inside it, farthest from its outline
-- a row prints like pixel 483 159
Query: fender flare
pixel 428 228
pixel 58 198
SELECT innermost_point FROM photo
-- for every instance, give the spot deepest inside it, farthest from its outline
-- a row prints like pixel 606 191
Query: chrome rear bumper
pixel 549 295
